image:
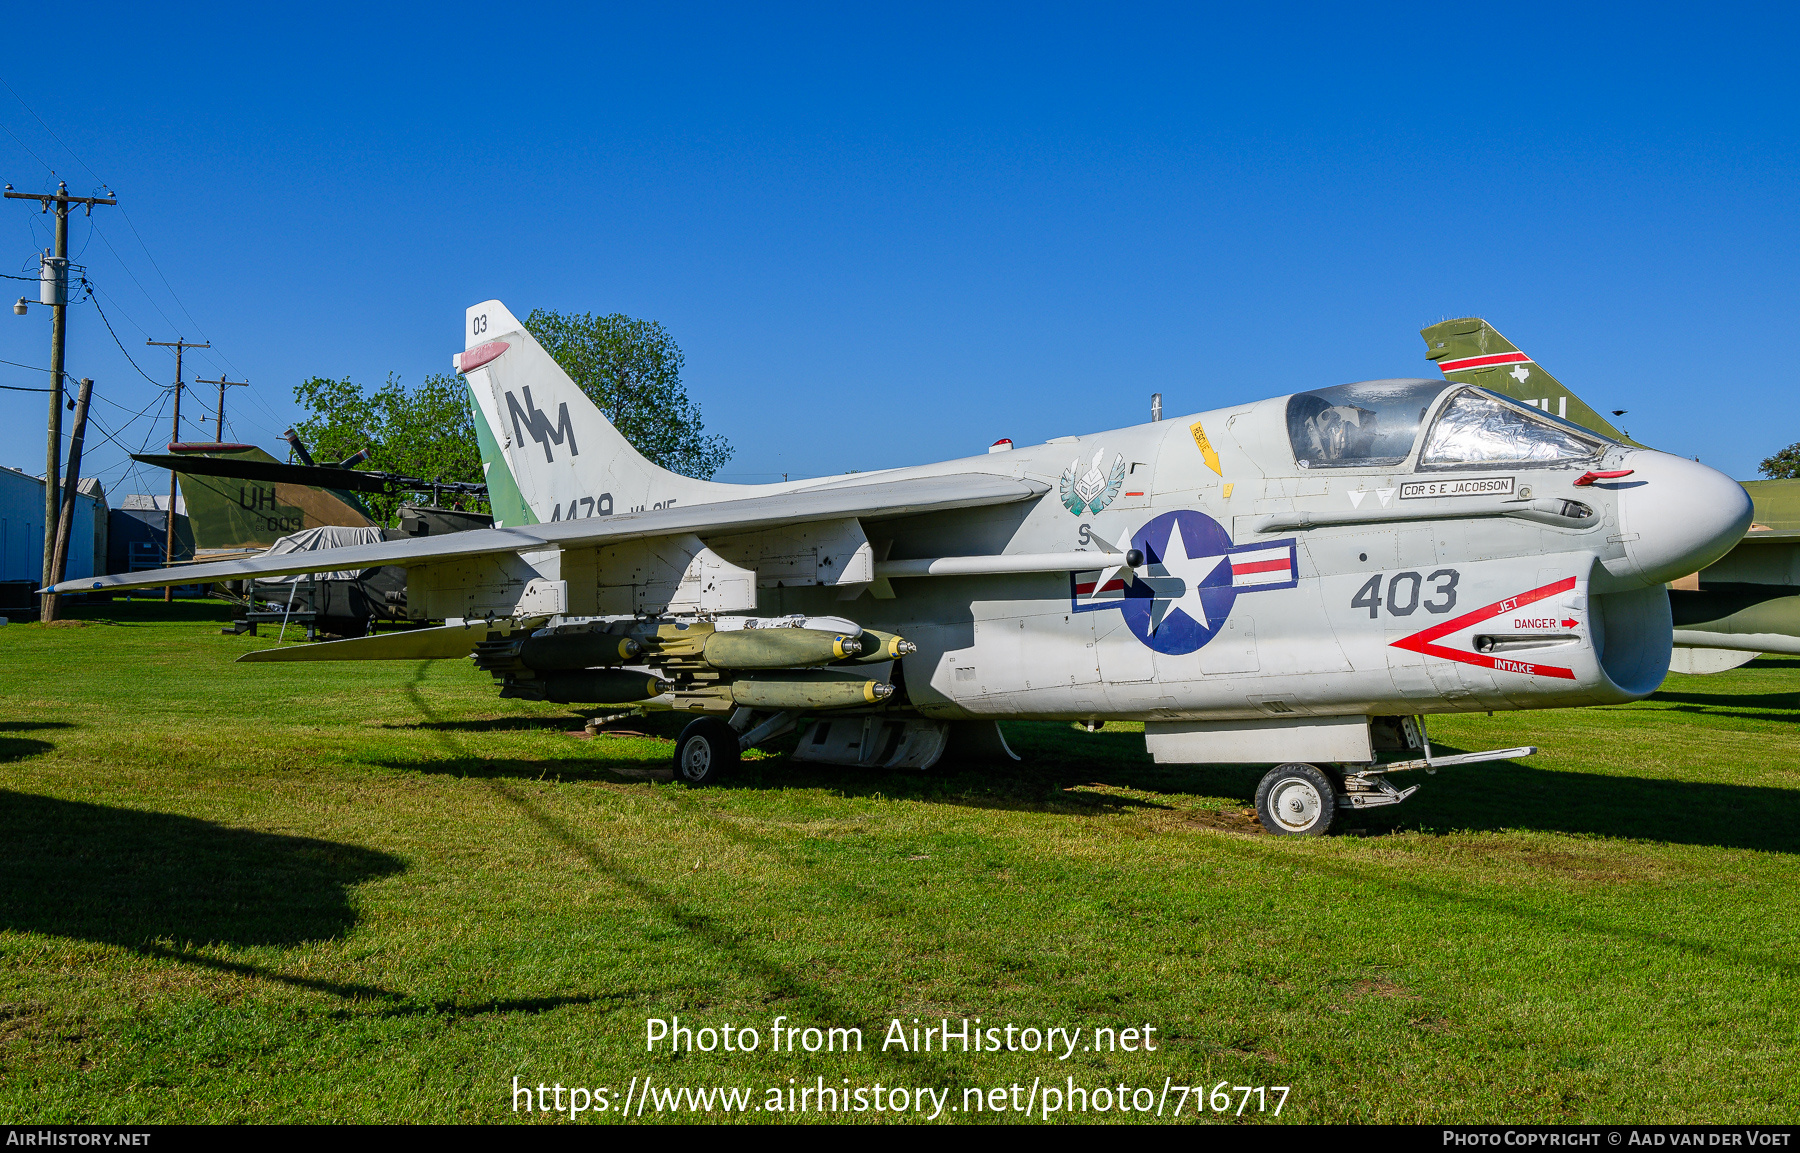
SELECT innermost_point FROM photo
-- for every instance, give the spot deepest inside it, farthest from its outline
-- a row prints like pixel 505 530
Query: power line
pixel 101 233
pixel 219 426
pixel 180 345
pixel 172 293
pixel 142 331
pixel 214 354
pixel 57 267
pixel 160 397
pixel 132 466
pixel 52 132
pixel 24 145
pixel 95 301
pixel 111 437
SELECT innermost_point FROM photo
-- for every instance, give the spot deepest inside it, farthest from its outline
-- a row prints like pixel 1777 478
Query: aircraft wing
pixel 880 500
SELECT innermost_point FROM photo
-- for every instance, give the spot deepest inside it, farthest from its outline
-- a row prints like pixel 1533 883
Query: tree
pixel 424 432
pixel 1784 465
pixel 631 369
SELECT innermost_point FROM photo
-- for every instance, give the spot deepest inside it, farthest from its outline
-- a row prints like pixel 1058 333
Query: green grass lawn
pixel 378 892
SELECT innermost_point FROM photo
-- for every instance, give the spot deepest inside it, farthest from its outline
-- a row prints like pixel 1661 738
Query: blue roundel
pixel 1182 593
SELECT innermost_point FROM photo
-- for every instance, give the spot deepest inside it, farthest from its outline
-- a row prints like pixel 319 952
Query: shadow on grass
pixel 1773 663
pixel 497 725
pixel 745 947
pixel 1785 702
pixel 148 608
pixel 521 769
pixel 21 748
pixel 1062 765
pixel 1788 718
pixel 1510 796
pixel 143 880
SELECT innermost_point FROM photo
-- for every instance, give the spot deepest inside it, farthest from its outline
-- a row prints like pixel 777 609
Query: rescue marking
pixel 1207 452
pixel 1421 642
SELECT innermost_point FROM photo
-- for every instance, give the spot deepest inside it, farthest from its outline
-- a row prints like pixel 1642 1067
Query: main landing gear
pixel 710 747
pixel 1302 800
pixel 706 750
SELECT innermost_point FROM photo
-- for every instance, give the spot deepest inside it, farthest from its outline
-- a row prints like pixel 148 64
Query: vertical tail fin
pixel 232 515
pixel 1471 351
pixel 549 453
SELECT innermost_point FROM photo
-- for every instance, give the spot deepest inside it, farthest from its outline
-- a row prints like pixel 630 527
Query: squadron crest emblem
pixel 1092 490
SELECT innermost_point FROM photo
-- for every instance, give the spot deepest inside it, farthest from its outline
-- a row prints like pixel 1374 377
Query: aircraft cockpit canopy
pixel 1374 423
pixel 1478 429
pixel 1370 423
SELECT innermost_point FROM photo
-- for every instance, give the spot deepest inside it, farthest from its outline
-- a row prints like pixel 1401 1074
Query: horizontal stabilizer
pixel 313 476
pixel 891 498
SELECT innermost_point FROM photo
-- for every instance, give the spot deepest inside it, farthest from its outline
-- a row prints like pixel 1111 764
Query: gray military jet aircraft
pixel 1295 581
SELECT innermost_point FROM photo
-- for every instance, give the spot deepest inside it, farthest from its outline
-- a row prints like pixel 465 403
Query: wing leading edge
pixel 880 500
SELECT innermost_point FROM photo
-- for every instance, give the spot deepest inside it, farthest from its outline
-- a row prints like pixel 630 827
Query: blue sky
pixel 884 236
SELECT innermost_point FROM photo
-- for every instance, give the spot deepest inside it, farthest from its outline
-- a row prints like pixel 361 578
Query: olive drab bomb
pixel 1295 582
pixel 756 663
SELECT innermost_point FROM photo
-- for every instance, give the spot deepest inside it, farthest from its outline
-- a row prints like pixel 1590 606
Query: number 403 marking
pixel 1405 593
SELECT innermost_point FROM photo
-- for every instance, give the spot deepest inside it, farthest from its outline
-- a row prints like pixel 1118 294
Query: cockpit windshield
pixel 1359 425
pixel 1478 428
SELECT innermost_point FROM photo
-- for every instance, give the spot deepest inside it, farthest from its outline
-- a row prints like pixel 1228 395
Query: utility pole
pixel 180 346
pixel 219 428
pixel 65 521
pixel 53 281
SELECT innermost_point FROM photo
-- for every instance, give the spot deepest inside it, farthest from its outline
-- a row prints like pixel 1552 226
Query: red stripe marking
pixel 1134 494
pixel 1259 566
pixel 1110 586
pixel 1481 361
pixel 1420 642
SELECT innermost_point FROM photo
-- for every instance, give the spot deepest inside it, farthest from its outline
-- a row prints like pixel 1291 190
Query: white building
pixel 22 528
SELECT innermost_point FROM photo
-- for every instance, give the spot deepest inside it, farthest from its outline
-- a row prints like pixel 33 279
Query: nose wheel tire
pixel 1296 800
pixel 706 750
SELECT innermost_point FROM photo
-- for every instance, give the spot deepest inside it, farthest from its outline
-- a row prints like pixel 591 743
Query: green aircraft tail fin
pixel 1472 351
pixel 229 514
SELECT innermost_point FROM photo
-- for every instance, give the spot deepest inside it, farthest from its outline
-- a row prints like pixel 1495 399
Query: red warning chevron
pixel 1421 642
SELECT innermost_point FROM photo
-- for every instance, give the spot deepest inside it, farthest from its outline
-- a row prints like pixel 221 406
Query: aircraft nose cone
pixel 1677 516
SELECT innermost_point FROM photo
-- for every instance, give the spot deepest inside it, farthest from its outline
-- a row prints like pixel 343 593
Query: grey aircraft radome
pixel 1295 581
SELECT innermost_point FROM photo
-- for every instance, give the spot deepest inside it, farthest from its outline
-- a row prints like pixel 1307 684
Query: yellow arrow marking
pixel 1206 449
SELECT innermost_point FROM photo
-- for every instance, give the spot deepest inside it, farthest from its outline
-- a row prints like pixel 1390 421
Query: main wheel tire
pixel 1296 800
pixel 706 750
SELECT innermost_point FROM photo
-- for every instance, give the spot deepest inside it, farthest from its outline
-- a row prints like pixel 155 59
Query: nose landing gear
pixel 1296 800
pixel 1302 800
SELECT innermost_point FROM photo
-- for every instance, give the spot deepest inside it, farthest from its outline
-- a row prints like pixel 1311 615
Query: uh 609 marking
pixel 1245 584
